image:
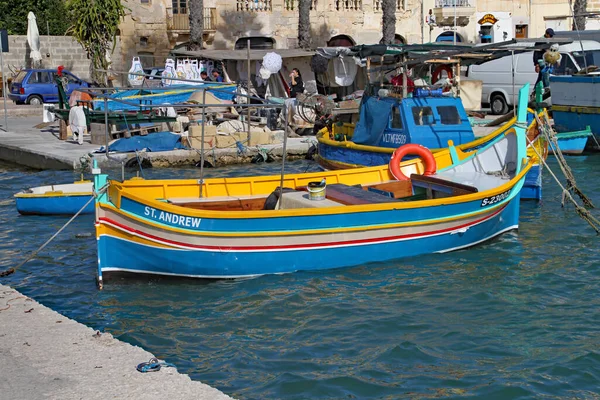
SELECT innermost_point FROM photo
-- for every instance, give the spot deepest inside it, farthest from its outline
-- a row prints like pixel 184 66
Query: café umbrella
pixel 33 39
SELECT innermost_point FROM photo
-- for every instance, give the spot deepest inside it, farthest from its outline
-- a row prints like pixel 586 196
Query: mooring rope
pixel 562 162
pixel 581 211
pixel 153 365
pixel 12 270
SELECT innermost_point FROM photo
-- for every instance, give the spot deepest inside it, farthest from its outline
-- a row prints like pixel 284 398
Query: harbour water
pixel 518 317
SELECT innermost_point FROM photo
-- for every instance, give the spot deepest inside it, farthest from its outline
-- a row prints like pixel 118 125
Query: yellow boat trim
pixel 322 138
pixel 52 194
pixel 299 232
pixel 577 109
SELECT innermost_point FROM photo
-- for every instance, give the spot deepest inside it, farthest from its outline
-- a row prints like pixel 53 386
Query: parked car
pixel 37 86
pixel 497 78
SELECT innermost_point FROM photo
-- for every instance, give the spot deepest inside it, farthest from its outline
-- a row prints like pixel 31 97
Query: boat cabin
pixel 429 120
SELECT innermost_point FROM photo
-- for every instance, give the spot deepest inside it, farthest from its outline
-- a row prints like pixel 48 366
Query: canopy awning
pixel 236 55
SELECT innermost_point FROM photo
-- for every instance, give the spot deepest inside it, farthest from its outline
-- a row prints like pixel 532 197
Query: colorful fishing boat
pixel 244 227
pixel 66 199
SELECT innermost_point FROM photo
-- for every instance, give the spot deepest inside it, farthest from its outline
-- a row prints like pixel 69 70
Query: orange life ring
pixel 416 149
pixel 437 73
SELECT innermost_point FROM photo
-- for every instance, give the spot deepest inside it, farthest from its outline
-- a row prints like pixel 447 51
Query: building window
pixel 145 1
pixel 448 115
pixel 423 116
pixel 396 118
pixel 180 6
pixel 256 42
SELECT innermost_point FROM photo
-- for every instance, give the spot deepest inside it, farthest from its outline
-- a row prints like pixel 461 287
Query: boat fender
pixel 437 73
pixel 413 149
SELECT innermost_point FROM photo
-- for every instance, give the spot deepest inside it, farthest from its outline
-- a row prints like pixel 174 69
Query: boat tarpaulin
pixel 159 141
pixel 374 118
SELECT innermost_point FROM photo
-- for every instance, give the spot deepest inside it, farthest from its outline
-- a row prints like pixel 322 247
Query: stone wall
pixel 56 50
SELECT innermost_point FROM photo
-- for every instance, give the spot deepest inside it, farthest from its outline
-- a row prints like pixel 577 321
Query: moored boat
pixel 576 106
pixel 65 199
pixel 241 227
pixel 572 143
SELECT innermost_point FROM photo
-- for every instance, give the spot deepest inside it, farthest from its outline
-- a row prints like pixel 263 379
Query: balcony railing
pixel 181 20
pixel 254 5
pixel 452 3
pixel 400 5
pixel 348 5
pixel 292 5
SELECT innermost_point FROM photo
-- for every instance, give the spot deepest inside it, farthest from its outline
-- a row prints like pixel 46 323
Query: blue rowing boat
pixel 66 199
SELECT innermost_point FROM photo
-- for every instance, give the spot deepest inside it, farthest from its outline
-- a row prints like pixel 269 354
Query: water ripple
pixel 517 317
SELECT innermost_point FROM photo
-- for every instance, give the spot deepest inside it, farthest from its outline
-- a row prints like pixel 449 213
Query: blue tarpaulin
pixel 374 118
pixel 159 141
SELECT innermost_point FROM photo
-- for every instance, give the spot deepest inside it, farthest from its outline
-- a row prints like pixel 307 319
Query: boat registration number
pixel 394 138
pixel 488 201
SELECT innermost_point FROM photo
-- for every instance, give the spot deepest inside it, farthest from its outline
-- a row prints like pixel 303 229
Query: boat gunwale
pixel 301 212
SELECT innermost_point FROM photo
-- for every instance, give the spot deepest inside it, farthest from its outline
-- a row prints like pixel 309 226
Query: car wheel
pixel 34 100
pixel 498 105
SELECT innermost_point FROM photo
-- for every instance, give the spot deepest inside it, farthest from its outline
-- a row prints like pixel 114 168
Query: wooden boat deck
pixel 418 188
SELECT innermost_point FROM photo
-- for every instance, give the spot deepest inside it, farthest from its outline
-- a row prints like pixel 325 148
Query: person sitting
pixel 217 76
pixel 204 75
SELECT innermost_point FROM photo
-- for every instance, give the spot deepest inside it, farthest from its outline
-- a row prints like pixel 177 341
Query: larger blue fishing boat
pixel 576 110
pixel 243 227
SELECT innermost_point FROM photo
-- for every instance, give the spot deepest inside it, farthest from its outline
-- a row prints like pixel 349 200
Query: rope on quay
pixel 153 365
pixel 12 270
pixel 581 211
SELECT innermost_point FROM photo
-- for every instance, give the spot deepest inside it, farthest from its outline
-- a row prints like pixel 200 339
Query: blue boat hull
pixel 572 146
pixel 224 263
pixel 54 205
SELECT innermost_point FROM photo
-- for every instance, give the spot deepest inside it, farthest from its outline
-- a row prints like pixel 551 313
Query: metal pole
pixel 512 70
pixel 454 36
pixel 202 144
pixel 4 87
pixel 405 80
pixel 106 128
pixel 283 157
pixel 249 84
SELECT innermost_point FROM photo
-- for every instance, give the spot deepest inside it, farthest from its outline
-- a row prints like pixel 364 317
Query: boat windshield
pixel 592 57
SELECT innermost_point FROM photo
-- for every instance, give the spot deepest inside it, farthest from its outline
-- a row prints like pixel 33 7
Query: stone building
pixel 153 27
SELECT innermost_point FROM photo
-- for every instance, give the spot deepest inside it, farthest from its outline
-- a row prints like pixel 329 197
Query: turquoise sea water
pixel 517 317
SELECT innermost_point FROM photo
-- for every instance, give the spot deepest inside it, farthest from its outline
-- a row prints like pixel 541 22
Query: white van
pixel 496 75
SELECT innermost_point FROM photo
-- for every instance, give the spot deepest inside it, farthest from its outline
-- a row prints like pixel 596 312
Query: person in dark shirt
pixel 538 55
pixel 296 85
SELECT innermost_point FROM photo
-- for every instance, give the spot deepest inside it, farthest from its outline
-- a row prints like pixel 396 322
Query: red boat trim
pixel 345 243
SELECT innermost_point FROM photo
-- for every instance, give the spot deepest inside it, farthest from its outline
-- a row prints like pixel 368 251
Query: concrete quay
pixel 45 355
pixel 31 147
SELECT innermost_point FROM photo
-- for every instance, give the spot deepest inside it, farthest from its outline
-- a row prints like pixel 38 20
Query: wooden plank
pixel 228 205
pixel 350 195
pixel 434 184
pixel 396 189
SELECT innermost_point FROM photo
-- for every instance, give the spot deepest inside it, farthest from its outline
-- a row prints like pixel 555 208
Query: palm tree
pixel 196 10
pixel 388 21
pixel 304 23
pixel 579 8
